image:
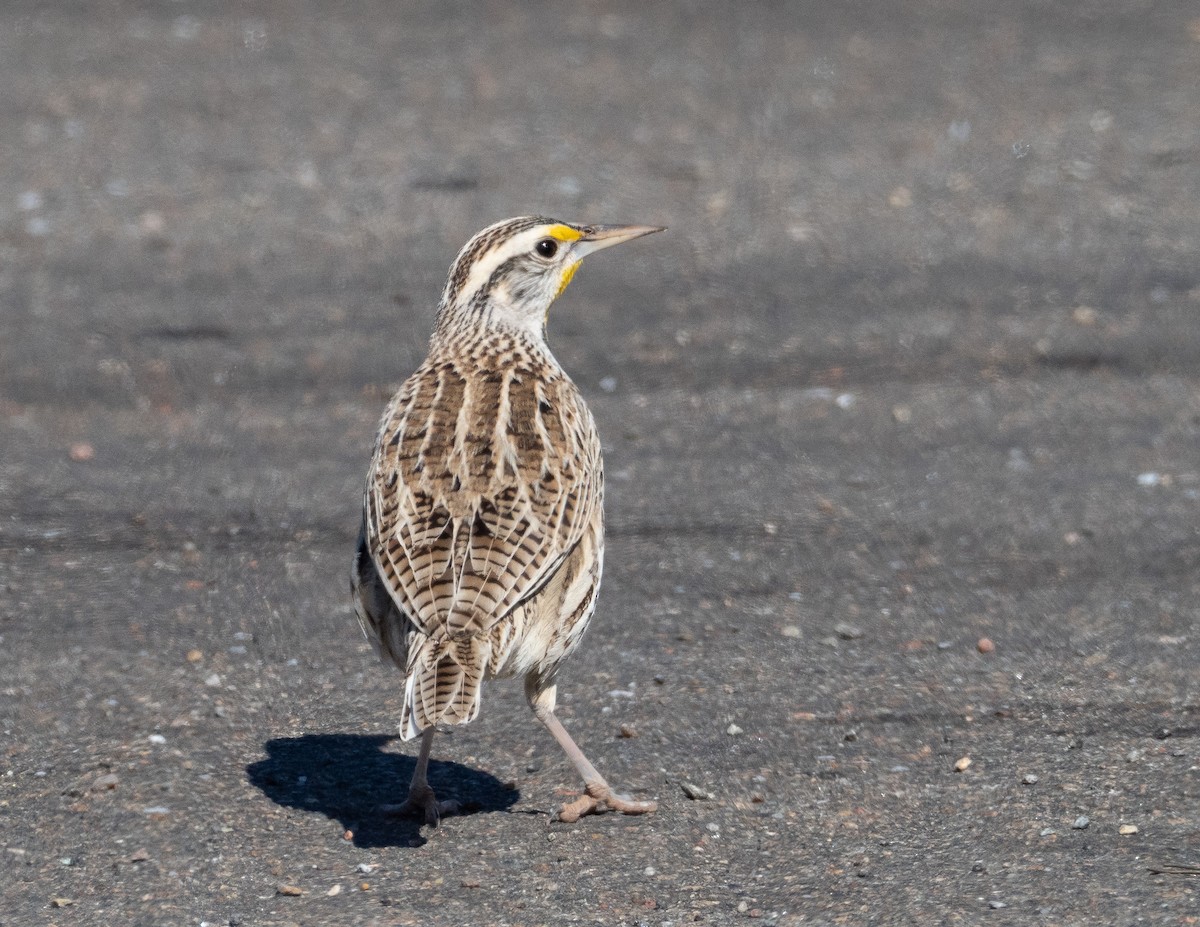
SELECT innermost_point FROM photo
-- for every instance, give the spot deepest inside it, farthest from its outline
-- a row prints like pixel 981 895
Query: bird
pixel 482 538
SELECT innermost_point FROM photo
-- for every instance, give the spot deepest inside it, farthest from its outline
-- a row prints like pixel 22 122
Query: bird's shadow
pixel 347 777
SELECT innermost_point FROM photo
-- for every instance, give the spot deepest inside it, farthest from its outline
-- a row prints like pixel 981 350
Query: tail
pixel 443 684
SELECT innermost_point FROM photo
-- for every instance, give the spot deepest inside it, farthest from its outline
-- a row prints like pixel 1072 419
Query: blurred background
pixel 900 420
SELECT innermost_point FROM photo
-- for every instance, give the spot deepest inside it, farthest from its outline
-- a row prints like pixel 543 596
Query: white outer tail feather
pixel 425 657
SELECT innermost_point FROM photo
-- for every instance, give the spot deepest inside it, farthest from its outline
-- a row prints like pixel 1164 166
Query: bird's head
pixel 512 271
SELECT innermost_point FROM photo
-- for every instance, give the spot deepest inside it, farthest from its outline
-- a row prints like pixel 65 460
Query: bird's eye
pixel 547 247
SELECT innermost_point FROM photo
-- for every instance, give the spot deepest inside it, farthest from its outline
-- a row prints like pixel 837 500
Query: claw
pixel 599 799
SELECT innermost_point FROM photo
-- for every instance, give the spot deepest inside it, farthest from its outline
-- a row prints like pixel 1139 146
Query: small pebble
pixel 1101 121
pixel 470 882
pixel 105 783
pixel 334 890
pixel 212 681
pixel 1081 822
pixel 291 891
pixel 1029 779
pixel 628 731
pixel 347 835
pixel 1078 169
pixel 743 907
pixel 847 631
pixel 81 451
pixel 1084 315
pixel 791 630
pixel 733 730
pixel 695 793
pixel 963 764
pixel 194 655
pixel 367 868
pixel 959 130
pixel 157 739
pixel 61 903
pixel 1126 830
pixel 997 905
pixel 985 645
pixel 151 222
pixel 1046 832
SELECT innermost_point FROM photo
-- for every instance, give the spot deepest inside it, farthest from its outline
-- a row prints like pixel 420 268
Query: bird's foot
pixel 422 803
pixel 600 798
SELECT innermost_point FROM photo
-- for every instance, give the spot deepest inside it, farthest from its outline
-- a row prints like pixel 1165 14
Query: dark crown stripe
pixel 482 243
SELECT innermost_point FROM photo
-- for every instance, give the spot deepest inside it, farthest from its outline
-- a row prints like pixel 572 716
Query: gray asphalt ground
pixel 915 366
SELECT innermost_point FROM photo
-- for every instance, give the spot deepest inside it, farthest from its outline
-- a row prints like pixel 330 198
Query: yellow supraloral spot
pixel 568 273
pixel 564 233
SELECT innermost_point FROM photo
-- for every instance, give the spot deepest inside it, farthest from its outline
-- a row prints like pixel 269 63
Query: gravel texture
pixel 914 369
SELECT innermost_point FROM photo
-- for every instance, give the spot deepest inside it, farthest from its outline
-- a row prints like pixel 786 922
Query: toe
pixel 627 806
pixel 574 810
pixel 599 799
pixel 436 810
pixel 423 804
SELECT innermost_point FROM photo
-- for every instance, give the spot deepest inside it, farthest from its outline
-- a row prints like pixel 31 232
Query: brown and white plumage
pixel 483 527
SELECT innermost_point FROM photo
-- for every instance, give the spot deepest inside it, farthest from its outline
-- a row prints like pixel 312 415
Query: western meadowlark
pixel 483 525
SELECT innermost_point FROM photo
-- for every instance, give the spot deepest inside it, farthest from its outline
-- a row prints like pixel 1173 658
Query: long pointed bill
pixel 599 237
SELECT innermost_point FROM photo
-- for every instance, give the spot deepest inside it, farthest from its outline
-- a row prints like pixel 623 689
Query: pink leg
pixel 599 796
pixel 421 801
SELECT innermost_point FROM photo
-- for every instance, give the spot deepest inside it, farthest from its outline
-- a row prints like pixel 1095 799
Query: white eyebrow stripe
pixel 481 273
